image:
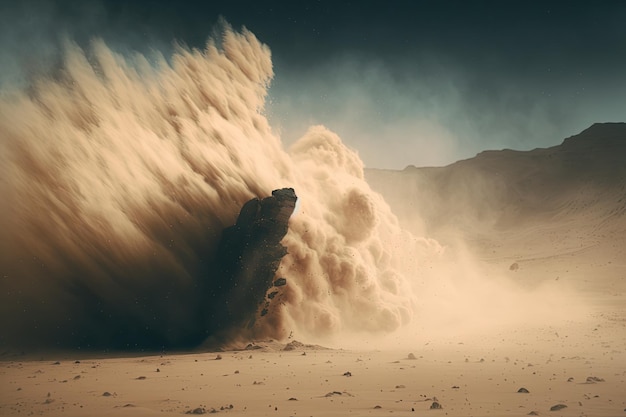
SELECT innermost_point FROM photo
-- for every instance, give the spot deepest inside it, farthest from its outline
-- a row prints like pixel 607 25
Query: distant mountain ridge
pixel 500 190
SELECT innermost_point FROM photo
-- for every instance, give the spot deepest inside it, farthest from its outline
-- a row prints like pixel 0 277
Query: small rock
pixel 218 357
pixel 411 356
pixel 106 394
pixel 594 379
pixel 377 407
pixel 522 390
pixel 198 410
pixel 347 373
pixel 280 282
pixel 435 406
pixel 533 413
pixel 293 345
pixel 558 407
pixel 400 386
pixel 251 346
pixel 141 378
pixel 293 399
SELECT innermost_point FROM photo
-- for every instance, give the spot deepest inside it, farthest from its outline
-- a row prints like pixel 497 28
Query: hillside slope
pixel 553 212
pixel 585 175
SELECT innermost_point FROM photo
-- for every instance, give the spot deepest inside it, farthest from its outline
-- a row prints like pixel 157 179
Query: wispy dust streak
pixel 120 175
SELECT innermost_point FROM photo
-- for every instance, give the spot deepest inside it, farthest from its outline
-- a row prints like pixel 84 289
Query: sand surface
pixel 580 364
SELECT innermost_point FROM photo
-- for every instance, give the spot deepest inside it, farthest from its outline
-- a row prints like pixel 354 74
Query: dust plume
pixel 119 175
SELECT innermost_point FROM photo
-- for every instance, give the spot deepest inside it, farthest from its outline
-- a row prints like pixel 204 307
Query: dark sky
pixel 403 82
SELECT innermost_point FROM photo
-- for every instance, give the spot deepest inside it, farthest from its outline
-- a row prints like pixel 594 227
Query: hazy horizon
pixel 416 83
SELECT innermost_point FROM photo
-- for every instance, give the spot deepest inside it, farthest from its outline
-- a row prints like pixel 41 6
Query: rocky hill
pixel 582 178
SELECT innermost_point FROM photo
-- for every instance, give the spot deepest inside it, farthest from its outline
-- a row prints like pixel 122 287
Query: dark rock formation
pixel 248 257
pixel 280 282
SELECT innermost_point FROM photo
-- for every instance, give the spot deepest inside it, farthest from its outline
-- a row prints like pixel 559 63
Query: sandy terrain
pixel 580 364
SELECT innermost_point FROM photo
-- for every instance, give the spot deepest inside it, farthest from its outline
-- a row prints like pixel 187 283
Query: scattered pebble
pixel 435 406
pixel 558 407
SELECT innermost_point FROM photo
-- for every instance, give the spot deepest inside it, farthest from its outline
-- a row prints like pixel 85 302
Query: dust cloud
pixel 119 174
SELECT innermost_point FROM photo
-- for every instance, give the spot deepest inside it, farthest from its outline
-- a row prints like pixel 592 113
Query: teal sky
pixel 402 82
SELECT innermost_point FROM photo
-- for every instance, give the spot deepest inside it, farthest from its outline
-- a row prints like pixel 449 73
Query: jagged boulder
pixel 248 257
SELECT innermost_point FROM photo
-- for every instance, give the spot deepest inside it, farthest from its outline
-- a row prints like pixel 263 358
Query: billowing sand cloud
pixel 119 175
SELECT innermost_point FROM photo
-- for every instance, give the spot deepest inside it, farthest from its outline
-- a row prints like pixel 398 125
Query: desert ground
pixel 573 367
pixel 580 366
